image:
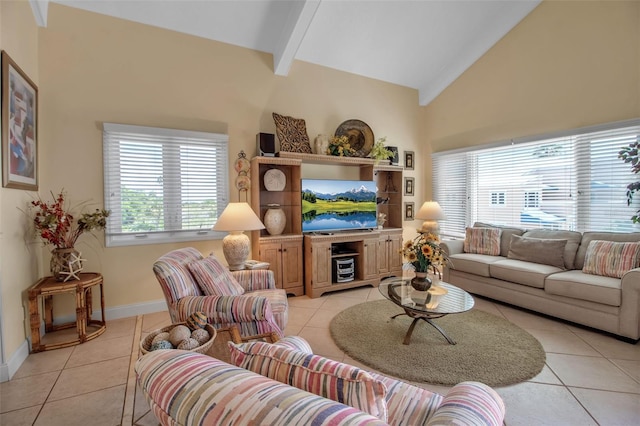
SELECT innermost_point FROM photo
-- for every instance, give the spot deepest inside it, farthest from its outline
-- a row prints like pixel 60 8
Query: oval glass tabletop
pixel 442 298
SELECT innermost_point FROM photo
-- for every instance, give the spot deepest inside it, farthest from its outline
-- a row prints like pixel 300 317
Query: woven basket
pixel 145 344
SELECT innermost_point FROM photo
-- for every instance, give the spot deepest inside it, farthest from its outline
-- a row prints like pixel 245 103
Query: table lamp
pixel 236 218
pixel 431 213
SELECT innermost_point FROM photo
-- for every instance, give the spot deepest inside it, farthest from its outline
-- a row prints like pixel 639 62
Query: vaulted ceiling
pixel 421 44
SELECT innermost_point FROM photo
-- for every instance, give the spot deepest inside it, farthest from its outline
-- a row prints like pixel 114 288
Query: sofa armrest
pixel 452 247
pixel 227 309
pixel 629 321
pixel 255 279
pixel 470 403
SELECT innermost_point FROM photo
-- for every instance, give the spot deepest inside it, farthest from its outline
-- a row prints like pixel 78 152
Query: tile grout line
pixel 129 397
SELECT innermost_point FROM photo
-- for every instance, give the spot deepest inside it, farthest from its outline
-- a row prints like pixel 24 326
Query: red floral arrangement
pixel 55 224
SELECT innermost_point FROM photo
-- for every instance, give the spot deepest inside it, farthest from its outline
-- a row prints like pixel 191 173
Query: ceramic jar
pixel 321 144
pixel 275 220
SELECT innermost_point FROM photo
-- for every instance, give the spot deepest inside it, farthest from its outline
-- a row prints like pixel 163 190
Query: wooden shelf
pixel 334 159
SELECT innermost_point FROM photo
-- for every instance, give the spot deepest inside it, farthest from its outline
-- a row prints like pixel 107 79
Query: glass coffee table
pixel 440 300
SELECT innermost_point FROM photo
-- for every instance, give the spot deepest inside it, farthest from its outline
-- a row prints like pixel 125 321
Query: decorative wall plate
pixel 274 180
pixel 241 165
pixel 360 136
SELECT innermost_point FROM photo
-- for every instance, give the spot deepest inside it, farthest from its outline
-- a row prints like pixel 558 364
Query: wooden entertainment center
pixel 334 261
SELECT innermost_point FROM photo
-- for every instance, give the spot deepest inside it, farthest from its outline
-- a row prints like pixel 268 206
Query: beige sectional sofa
pixel 561 290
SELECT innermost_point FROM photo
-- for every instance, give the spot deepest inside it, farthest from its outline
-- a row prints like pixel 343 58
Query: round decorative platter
pixel 360 136
pixel 274 180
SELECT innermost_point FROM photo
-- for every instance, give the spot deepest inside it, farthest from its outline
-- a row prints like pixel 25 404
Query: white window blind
pixel 572 181
pixel 163 185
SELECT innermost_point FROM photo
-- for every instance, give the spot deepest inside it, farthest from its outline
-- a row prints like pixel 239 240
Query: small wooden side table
pixel 47 288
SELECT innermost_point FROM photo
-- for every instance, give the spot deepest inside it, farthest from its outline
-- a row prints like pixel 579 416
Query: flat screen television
pixel 337 205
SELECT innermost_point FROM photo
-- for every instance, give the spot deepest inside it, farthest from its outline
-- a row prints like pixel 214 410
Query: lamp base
pixel 235 248
pixel 430 226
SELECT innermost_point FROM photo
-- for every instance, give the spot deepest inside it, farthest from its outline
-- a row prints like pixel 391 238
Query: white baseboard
pixel 7 370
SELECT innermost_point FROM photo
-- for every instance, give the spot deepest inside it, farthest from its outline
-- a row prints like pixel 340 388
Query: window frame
pixel 579 141
pixel 172 232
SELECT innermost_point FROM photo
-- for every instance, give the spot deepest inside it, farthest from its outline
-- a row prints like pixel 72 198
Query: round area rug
pixel 489 349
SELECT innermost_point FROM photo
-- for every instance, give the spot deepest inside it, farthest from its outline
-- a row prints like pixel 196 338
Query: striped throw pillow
pixel 213 278
pixel 611 259
pixel 482 241
pixel 321 376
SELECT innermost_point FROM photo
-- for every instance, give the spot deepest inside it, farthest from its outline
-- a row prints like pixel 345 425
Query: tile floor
pixel 589 378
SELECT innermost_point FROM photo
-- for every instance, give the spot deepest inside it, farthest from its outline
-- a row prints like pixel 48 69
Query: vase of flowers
pixel 340 146
pixel 55 224
pixel 425 255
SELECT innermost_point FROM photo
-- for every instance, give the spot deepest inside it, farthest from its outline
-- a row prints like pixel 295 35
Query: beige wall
pixel 18 258
pixel 566 65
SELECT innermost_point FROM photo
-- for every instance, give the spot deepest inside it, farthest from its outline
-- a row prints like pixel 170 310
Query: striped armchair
pixel 251 302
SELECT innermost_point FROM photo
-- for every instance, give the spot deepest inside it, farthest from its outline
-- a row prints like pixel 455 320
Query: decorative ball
pixel 178 334
pixel 197 320
pixel 160 336
pixel 188 344
pixel 201 335
pixel 161 344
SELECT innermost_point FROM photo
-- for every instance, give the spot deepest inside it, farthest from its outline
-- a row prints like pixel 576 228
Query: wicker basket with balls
pixel 193 335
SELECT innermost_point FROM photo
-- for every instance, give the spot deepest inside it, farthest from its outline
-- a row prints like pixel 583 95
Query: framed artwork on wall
pixel 408 211
pixel 408 160
pixel 19 127
pixel 409 186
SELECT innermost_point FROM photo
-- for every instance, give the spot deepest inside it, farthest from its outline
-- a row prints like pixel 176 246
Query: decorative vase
pixel 321 144
pixel 421 281
pixel 66 264
pixel 275 219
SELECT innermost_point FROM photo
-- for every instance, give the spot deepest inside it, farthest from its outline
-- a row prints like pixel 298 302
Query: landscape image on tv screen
pixel 334 205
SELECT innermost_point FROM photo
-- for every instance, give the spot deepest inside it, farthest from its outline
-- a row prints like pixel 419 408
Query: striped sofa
pixel 186 388
pixel 247 299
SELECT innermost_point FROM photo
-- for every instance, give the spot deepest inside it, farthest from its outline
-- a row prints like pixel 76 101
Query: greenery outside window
pixel 163 185
pixel 570 180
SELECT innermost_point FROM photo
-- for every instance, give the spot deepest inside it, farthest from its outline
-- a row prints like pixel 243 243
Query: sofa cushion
pixel 521 272
pixel 296 343
pixel 573 241
pixel 578 285
pixel 482 241
pixel 173 274
pixel 213 278
pixel 611 259
pixel 477 264
pixel 587 237
pixel 546 252
pixel 505 237
pixel 313 373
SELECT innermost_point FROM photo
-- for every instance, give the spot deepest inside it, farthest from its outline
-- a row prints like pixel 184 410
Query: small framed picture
pixel 19 128
pixel 408 211
pixel 409 186
pixel 408 160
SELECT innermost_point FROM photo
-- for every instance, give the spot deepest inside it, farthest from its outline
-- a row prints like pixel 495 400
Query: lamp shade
pixel 431 210
pixel 238 217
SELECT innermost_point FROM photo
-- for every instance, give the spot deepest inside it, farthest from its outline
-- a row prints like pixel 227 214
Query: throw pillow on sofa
pixel 321 376
pixel 611 259
pixel 482 241
pixel 538 250
pixel 213 278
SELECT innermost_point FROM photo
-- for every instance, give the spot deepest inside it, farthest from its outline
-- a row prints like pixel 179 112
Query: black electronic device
pixel 344 270
pixel 266 144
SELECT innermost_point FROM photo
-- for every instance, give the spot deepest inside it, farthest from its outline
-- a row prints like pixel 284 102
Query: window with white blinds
pixel 573 181
pixel 163 185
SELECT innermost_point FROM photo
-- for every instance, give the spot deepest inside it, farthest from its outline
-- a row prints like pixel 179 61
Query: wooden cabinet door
pixel 321 265
pixel 383 255
pixel 395 256
pixel 370 258
pixel 291 264
pixel 271 252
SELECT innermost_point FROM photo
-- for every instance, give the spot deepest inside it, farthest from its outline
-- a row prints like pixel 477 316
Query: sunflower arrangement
pixel 424 253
